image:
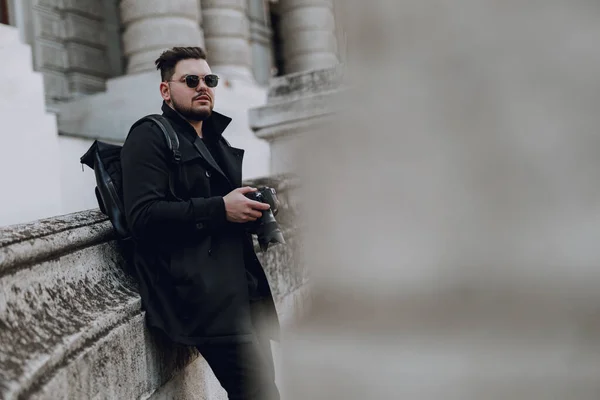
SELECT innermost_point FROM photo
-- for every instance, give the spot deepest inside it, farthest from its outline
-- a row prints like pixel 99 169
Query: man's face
pixel 194 104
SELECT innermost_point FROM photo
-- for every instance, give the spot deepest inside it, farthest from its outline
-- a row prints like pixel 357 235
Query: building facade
pixel 80 70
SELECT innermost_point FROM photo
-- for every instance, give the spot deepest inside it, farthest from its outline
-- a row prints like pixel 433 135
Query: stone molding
pixel 73 46
pixel 298 101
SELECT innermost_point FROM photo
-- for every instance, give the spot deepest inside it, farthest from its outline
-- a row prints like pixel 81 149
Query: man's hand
pixel 241 209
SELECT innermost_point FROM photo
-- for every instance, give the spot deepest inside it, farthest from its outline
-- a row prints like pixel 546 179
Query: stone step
pixel 8 35
pixel 26 93
pixel 31 146
pixel 17 62
pixel 20 86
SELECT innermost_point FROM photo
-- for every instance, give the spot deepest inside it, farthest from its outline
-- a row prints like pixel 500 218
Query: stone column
pixel 227 31
pixel 260 41
pixel 153 26
pixel 308 34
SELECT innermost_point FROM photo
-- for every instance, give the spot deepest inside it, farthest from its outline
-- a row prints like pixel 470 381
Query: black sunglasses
pixel 193 81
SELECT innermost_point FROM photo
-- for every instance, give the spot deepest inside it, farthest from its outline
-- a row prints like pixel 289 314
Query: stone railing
pixel 71 326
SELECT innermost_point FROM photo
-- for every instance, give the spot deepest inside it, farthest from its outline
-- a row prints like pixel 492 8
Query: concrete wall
pixel 76 183
pixel 39 169
pixel 29 149
pixel 70 320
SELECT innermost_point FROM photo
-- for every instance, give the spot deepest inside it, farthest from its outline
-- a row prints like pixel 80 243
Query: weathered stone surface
pixel 32 242
pixel 71 326
pixel 258 10
pixel 46 3
pixel 260 33
pixel 80 84
pixel 153 26
pixel 70 36
pixel 287 5
pixel 51 56
pixel 302 84
pixel 87 59
pixel 296 109
pixel 56 84
pixel 158 33
pixel 134 9
pixel 227 34
pixel 308 31
pixel 307 18
pixel 223 51
pixel 226 22
pixel 144 39
pixel 297 103
pixel 85 30
pixel 91 8
pixel 48 25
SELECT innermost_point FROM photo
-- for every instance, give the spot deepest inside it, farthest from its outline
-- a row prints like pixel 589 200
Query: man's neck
pixel 197 126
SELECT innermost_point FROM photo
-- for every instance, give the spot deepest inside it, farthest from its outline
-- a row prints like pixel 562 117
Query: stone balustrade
pixel 71 326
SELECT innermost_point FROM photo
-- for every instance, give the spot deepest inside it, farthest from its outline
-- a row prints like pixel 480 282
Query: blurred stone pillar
pixel 156 25
pixel 227 36
pixel 451 215
pixel 308 34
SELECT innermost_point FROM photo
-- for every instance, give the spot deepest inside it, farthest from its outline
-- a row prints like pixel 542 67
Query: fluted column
pixel 152 26
pixel 227 36
pixel 308 33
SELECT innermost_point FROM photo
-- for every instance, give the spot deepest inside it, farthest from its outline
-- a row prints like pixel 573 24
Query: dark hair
pixel 169 58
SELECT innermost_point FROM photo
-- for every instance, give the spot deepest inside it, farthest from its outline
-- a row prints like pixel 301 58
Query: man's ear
pixel 165 91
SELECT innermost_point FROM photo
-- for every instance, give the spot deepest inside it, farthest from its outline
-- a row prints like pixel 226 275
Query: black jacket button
pixel 200 225
pixel 208 174
pixel 209 252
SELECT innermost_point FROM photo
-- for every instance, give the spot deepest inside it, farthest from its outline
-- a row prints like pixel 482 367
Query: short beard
pixel 189 113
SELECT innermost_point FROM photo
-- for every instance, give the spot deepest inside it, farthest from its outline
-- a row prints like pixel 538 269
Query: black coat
pixel 192 264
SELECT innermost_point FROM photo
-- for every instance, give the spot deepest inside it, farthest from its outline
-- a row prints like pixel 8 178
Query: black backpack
pixel 105 160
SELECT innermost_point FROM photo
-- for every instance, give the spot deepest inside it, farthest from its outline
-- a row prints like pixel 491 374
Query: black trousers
pixel 245 370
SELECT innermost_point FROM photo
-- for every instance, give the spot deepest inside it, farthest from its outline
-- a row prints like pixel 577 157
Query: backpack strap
pixel 172 142
pixel 169 133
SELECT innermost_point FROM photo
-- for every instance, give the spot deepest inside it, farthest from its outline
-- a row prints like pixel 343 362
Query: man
pixel 200 280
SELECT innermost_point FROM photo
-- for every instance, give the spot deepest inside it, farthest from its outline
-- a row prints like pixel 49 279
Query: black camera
pixel 266 227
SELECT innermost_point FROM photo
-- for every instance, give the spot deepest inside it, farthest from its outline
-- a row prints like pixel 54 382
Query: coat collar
pixel 212 130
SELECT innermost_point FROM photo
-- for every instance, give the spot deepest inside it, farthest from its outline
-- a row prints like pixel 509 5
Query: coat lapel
pixel 205 153
pixel 233 158
pixel 213 129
